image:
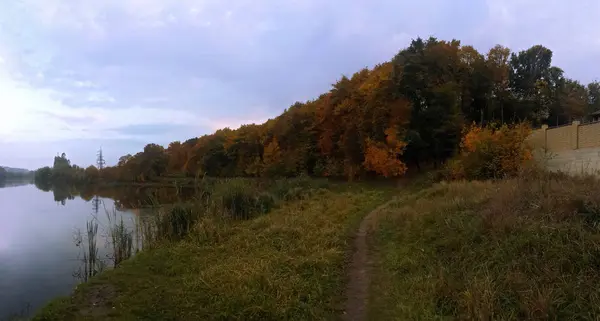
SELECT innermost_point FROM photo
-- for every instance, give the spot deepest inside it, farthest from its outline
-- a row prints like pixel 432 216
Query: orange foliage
pixel 383 159
pixel 488 152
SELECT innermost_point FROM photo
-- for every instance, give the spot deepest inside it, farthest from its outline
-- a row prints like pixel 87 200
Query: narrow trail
pixel 357 288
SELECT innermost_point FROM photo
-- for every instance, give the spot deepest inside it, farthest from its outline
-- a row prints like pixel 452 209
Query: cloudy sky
pixel 77 75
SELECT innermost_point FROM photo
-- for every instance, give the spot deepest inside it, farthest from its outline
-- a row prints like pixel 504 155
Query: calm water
pixel 39 253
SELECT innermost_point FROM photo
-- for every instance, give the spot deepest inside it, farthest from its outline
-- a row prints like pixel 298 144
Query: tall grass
pixel 285 265
pixel 217 205
pixel 121 238
pixel 526 248
pixel 92 264
pixel 219 201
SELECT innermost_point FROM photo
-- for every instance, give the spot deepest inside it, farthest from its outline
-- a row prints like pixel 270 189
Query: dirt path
pixel 357 289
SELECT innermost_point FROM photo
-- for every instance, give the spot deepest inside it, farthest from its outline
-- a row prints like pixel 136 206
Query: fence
pixel 567 137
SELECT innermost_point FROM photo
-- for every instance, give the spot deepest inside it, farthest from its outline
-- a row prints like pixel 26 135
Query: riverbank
pixel 287 264
pixel 524 248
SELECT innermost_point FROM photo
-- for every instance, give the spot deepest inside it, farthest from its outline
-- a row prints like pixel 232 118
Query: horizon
pixel 75 77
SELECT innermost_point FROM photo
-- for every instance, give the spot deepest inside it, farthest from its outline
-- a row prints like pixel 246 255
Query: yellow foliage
pixel 489 152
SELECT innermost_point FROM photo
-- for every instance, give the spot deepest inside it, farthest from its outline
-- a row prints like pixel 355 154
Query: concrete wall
pixel 589 135
pixel 577 161
pixel 559 139
pixel 572 148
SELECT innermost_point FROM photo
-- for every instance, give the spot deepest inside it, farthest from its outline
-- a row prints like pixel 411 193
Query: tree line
pixel 14 174
pixel 404 113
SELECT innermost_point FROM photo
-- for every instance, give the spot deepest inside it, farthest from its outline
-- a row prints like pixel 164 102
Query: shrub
pixel 241 199
pixel 383 158
pixel 175 222
pixel 490 152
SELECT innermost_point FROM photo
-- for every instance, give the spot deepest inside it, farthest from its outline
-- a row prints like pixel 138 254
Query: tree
pixel 383 159
pixel 529 74
pixel 574 98
pixel 124 159
pixel 428 74
pixel 153 162
pixel 92 173
pixel 43 178
pixel 593 100
pixel 409 111
pixel 272 160
pixel 2 173
pixel 497 61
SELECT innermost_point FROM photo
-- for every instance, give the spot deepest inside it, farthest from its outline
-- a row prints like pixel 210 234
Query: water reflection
pixel 124 196
pixel 78 232
pixel 15 183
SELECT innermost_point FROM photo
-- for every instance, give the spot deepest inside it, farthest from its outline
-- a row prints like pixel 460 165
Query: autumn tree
pixel 408 112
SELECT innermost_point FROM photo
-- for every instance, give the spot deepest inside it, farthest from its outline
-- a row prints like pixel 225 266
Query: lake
pixel 42 239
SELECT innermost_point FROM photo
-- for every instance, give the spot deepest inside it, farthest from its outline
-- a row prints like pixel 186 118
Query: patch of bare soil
pixel 98 301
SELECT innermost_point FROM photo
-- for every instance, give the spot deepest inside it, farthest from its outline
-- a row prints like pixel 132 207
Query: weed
pixel 121 238
pixel 92 264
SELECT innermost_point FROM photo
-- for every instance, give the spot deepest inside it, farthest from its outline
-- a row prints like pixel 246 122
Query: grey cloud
pixel 265 55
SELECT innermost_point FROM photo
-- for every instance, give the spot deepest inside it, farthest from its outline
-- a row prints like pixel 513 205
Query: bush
pixel 241 199
pixel 490 152
pixel 175 222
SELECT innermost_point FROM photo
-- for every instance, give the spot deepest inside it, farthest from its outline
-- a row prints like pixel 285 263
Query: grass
pixel 285 265
pixel 526 248
pixel 520 249
pixel 121 238
pixel 92 264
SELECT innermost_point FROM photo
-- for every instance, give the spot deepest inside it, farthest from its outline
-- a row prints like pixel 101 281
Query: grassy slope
pixel 288 264
pixel 517 249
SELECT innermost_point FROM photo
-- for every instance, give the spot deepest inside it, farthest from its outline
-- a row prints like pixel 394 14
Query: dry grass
pixel 525 248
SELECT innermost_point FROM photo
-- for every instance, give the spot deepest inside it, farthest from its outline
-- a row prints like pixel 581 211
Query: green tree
pixel 530 70
pixel 92 173
pixel 593 90
pixel 497 61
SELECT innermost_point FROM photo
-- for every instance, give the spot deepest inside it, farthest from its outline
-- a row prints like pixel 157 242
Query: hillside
pixel 15 170
pixel 402 115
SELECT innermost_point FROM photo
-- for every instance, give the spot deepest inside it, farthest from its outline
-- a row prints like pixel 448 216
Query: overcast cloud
pixel 77 75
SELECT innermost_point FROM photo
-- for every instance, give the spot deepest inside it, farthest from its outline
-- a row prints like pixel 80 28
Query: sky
pixel 119 74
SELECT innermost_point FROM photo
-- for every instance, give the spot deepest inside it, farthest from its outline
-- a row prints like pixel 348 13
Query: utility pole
pixel 96 204
pixel 100 160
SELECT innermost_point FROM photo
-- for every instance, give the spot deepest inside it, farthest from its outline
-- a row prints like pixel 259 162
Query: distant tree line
pixel 64 173
pixel 14 175
pixel 401 114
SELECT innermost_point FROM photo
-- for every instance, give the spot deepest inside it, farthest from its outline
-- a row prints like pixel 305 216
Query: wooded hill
pixel 10 173
pixel 406 112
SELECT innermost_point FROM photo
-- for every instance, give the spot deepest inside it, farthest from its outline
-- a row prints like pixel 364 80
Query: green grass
pixel 285 265
pixel 520 249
